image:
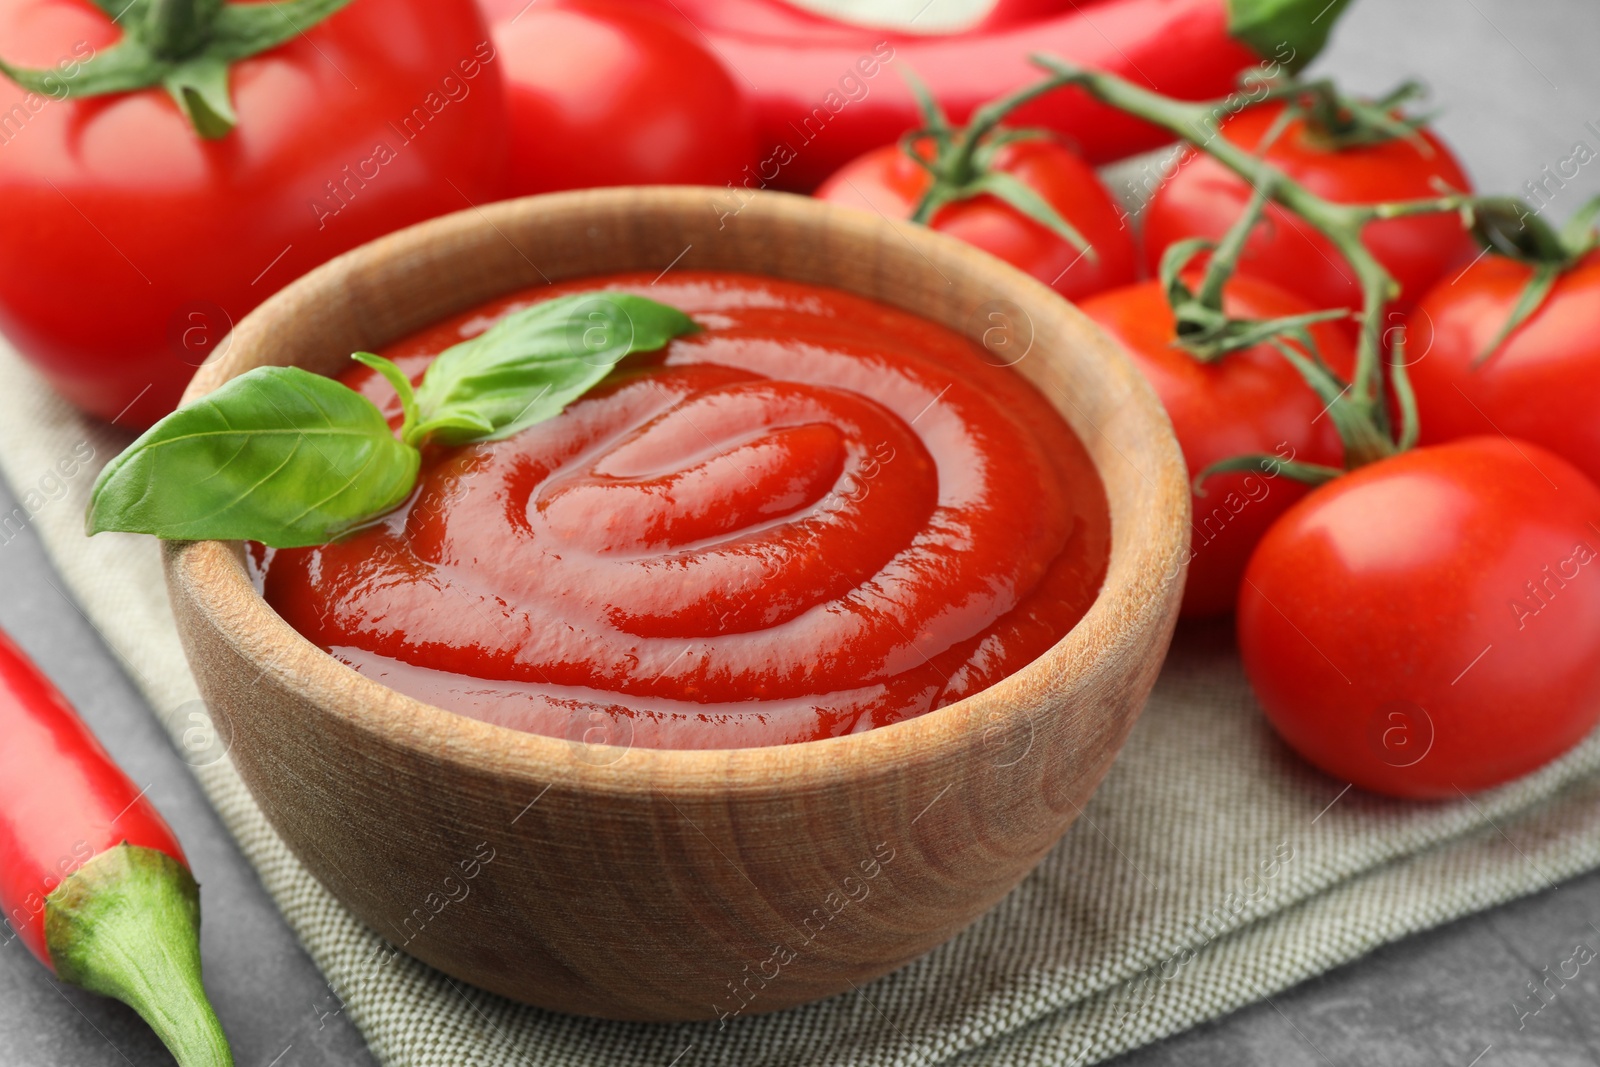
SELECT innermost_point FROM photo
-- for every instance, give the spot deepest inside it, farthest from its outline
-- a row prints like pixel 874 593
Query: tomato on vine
pixel 1344 152
pixel 1213 348
pixel 1016 194
pixel 1512 346
pixel 1426 622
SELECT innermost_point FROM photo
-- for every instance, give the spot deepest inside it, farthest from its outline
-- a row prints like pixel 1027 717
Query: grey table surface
pixel 1520 82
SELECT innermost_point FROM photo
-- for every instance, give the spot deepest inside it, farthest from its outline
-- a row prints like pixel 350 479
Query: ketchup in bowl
pixel 817 516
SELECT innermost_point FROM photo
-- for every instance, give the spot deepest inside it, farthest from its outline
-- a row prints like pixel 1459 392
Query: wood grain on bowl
pixel 648 884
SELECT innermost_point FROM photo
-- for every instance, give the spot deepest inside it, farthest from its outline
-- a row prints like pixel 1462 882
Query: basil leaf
pixel 532 364
pixel 397 381
pixel 292 459
pixel 277 455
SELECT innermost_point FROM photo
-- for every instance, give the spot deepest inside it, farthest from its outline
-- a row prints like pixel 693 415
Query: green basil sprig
pixel 290 458
pixel 528 367
pixel 278 455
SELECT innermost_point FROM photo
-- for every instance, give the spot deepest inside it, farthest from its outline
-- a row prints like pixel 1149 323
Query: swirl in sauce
pixel 820 515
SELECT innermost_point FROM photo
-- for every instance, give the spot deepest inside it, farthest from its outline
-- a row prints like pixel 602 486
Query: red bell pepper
pixel 825 92
pixel 92 879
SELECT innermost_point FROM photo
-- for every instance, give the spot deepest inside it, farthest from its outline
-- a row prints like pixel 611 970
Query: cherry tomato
pixel 1203 199
pixel 891 183
pixel 131 246
pixel 1431 622
pixel 608 94
pixel 1247 402
pixel 1542 384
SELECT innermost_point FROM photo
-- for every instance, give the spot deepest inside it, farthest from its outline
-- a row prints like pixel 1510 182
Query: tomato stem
pixel 176 29
pixel 1579 235
pixel 986 119
pixel 1405 399
pixel 1361 411
pixel 961 166
pixel 1226 256
pixel 1508 226
pixel 1202 326
pixel 1272 466
pixel 186 47
pixel 1338 121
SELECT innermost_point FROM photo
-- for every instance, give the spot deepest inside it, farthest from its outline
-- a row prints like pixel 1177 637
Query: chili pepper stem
pixel 1268 26
pixel 127 925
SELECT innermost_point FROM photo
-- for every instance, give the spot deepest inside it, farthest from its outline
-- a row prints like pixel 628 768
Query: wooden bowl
pixel 672 885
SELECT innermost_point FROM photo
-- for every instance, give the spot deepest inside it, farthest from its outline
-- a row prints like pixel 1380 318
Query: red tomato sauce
pixel 817 516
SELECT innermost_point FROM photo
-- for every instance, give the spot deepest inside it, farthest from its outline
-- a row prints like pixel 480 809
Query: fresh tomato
pixel 1247 402
pixel 610 94
pixel 1542 384
pixel 891 183
pixel 1431 622
pixel 131 245
pixel 1203 199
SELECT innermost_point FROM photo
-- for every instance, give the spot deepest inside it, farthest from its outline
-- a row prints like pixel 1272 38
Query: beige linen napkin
pixel 1212 869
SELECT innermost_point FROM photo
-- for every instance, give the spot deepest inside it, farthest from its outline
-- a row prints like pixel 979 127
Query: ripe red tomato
pixel 1541 385
pixel 891 183
pixel 130 246
pixel 1431 622
pixel 1248 402
pixel 609 94
pixel 1204 199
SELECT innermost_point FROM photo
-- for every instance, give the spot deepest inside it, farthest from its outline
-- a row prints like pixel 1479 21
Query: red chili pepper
pixel 92 879
pixel 1014 12
pixel 824 93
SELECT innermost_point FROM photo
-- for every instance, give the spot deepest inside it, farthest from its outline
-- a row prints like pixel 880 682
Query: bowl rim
pixel 1131 600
